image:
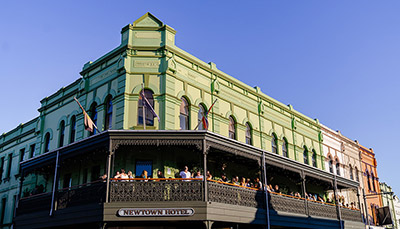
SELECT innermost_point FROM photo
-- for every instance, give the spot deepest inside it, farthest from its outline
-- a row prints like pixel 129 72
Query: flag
pixel 204 119
pixel 147 103
pixel 89 124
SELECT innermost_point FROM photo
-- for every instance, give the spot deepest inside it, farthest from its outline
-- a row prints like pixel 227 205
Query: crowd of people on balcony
pixel 312 197
pixel 186 174
pixel 240 182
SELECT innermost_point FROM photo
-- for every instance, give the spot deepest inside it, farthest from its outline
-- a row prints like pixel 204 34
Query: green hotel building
pixel 54 173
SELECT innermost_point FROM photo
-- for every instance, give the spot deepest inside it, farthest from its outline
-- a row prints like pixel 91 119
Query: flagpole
pixel 143 106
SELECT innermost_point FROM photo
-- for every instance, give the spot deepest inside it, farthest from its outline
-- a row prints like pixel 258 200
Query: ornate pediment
pixel 148 20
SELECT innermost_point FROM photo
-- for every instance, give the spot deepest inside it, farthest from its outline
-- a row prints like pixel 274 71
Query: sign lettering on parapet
pixel 143 212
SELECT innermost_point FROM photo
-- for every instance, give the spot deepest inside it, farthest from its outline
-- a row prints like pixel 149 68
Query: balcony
pixel 142 190
pixel 65 198
pixel 290 204
pixel 100 202
pixel 159 191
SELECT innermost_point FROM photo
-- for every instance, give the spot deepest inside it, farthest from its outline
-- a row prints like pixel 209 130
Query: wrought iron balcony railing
pixel 162 190
pixel 285 203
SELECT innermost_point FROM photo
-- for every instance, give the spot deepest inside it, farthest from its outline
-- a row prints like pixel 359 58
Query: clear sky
pixel 337 61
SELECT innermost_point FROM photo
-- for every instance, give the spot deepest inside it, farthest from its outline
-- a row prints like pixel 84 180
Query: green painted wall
pixel 153 59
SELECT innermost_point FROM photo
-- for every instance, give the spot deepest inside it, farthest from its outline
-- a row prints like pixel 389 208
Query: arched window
pixel 232 128
pixel 62 134
pixel 72 130
pixel 374 213
pixel 305 155
pixel 274 143
pixel 337 167
pixel 109 110
pixel 93 116
pixel 373 182
pixel 285 148
pixel 184 114
pixel 149 114
pixel 351 172
pixel 314 158
pixel 249 140
pixel 201 114
pixel 368 180
pixel 357 177
pixel 330 165
pixel 47 142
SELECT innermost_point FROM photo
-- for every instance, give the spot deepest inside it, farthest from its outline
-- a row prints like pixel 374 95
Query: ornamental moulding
pixel 116 143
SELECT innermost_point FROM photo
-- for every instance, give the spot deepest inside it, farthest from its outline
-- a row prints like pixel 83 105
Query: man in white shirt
pixel 185 173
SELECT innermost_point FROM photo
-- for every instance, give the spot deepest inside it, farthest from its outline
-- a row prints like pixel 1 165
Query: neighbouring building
pixel 61 175
pixel 388 200
pixel 373 199
pixel 396 201
pixel 342 158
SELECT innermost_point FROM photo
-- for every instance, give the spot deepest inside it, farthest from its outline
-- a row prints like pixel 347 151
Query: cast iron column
pixel 265 181
pixel 21 181
pixel 108 166
pixel 205 170
pixel 303 185
pixel 55 185
pixel 339 214
pixel 359 203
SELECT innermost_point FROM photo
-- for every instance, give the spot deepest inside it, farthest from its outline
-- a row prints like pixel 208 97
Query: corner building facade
pixel 250 135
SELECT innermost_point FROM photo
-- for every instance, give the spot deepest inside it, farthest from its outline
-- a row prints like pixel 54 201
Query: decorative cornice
pixel 113 53
pixel 116 143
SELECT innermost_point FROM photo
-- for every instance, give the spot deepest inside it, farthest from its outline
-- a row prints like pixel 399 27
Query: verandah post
pixel 303 185
pixel 108 166
pixel 205 170
pixel 339 214
pixel 265 185
pixel 55 185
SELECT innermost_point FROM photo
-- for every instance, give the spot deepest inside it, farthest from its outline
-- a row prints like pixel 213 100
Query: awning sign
pixel 155 212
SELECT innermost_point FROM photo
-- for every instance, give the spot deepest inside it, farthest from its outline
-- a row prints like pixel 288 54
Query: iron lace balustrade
pixel 183 190
pixel 222 192
pixel 39 202
pixel 81 194
pixel 291 204
pixel 129 190
pixel 73 196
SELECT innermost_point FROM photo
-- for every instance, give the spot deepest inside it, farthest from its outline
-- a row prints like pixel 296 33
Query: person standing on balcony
pixel 144 175
pixel 248 183
pixel 130 174
pixel 123 175
pixel 243 182
pixel 223 178
pixel 257 183
pixel 104 178
pixel 160 174
pixel 198 175
pixel 277 189
pixel 185 173
pixel 208 175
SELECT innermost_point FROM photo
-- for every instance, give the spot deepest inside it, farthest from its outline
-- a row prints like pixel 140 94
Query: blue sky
pixel 337 61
